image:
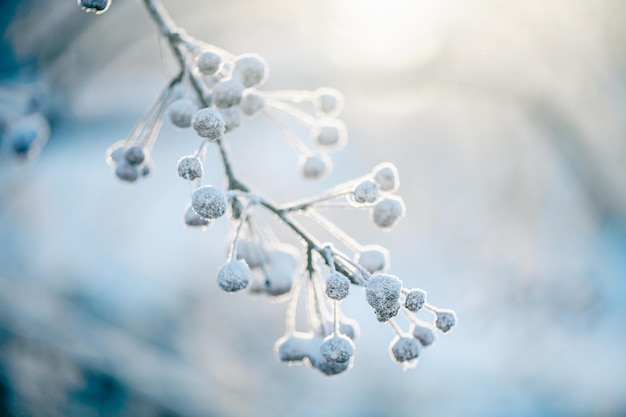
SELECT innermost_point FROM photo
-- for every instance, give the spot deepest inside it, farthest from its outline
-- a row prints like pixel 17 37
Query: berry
pixel 251 103
pixel 316 166
pixel 446 319
pixel 192 218
pixel 318 361
pixel 366 191
pixel 374 258
pixel 280 268
pixel 328 102
pixel 404 349
pixel 135 155
pixel 233 276
pixel 415 300
pixel 293 348
pixel 251 252
pixel 330 133
pixel 227 93
pixel 95 6
pixel 388 211
pixel 181 111
pixel 116 152
pixel 382 293
pixel 251 70
pixel 423 334
pixel 208 62
pixel 209 202
pixel 386 175
pixel 126 172
pixel 337 286
pixel 209 124
pixel 337 348
pixel 189 168
pixel 232 118
pixel 27 135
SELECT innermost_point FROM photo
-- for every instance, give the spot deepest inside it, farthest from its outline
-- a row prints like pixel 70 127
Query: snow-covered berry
pixel 27 135
pixel 251 103
pixel 209 202
pixel 233 276
pixel 388 211
pixel 227 93
pixel 423 334
pixel 116 152
pixel 251 252
pixel 337 348
pixel 366 191
pixel 181 111
pixel 415 300
pixel 317 166
pixel 135 155
pixel 374 258
pixel 280 269
pixel 232 118
pixel 337 286
pixel 209 124
pixel 317 360
pixel 193 219
pixel 404 349
pixel 446 319
pixel 386 175
pixel 189 168
pixel 328 102
pixel 382 293
pixel 208 62
pixel 293 348
pixel 94 6
pixel 251 70
pixel 126 172
pixel 330 133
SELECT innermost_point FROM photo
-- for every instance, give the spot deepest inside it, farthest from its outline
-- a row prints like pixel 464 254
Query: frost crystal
pixel 388 211
pixel 415 300
pixel 181 111
pixel 209 124
pixel 382 293
pixel 374 258
pixel 446 319
pixel 404 349
pixel 209 202
pixel 208 62
pixel 386 175
pixel 251 70
pixel 316 166
pixel 337 348
pixel 366 191
pixel 337 286
pixel 189 168
pixel 227 93
pixel 233 276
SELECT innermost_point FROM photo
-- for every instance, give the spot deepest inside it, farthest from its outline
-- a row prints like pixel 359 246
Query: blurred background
pixel 506 120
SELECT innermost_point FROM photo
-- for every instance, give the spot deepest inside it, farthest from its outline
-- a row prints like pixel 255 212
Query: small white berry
pixel 415 300
pixel 382 294
pixel 366 191
pixel 251 103
pixel 337 286
pixel 293 348
pixel 374 258
pixel 126 172
pixel 209 202
pixel 233 276
pixel 227 93
pixel 446 319
pixel 386 175
pixel 314 167
pixel 208 62
pixel 280 269
pixel 192 218
pixel 404 349
pixel 320 363
pixel 330 134
pixel 251 252
pixel 328 102
pixel 232 118
pixel 209 124
pixel 251 70
pixel 116 152
pixel 423 334
pixel 388 211
pixel 181 111
pixel 189 168
pixel 337 348
pixel 135 155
